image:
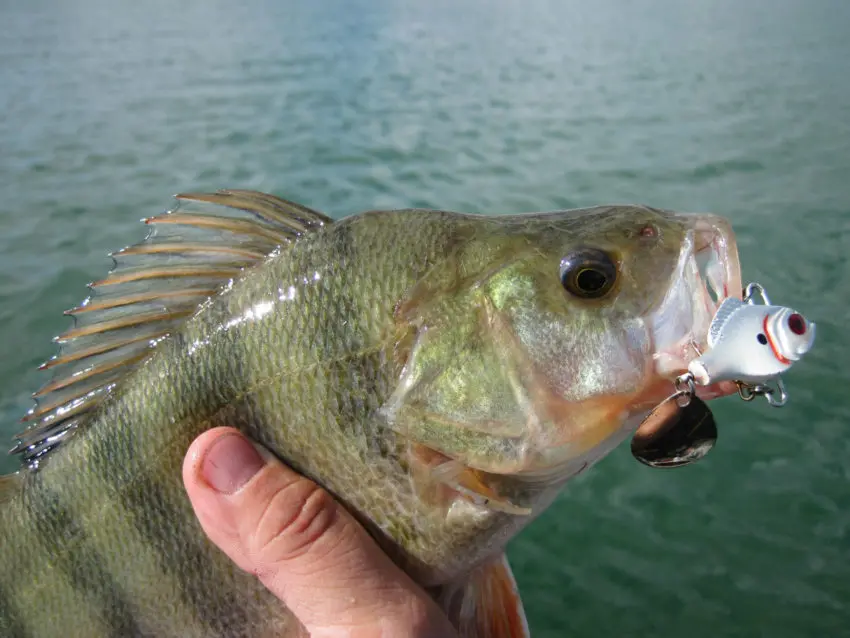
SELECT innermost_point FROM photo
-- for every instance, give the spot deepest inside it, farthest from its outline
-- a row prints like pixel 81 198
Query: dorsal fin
pixel 189 255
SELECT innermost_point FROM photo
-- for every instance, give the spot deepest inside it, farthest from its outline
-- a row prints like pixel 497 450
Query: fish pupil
pixel 591 280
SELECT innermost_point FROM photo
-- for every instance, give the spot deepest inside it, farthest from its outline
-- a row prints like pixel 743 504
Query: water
pixel 739 107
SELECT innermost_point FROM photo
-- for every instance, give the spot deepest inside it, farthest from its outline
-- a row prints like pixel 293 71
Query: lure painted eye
pixel 588 273
pixel 797 324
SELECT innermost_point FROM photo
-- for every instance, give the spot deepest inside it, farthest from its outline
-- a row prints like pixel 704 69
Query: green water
pixel 737 107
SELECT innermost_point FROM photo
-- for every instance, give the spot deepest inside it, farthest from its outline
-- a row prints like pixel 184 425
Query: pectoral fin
pixel 473 485
pixel 487 604
pixel 441 480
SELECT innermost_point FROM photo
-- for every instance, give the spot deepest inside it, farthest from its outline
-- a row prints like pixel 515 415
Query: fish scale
pixel 304 353
pixel 135 430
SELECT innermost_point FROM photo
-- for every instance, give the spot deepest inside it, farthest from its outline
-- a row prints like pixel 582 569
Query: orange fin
pixel 472 484
pixel 441 480
pixel 487 604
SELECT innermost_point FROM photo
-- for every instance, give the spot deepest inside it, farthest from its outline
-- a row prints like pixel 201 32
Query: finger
pixel 305 547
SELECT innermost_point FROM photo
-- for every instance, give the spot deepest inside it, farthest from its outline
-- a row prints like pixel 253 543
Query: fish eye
pixel 588 273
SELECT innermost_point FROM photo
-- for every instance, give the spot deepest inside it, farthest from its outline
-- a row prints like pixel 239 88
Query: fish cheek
pixel 461 409
pixel 581 367
pixel 455 394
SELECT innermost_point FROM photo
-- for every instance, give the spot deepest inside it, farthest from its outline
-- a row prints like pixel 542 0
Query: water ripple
pixel 733 107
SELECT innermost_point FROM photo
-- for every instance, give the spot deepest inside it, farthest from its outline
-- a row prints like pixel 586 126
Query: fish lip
pixel 679 325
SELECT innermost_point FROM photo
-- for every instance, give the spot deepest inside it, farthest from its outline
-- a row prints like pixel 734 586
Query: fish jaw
pixel 708 271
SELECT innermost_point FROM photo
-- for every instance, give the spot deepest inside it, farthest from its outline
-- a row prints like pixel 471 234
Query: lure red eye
pixel 797 324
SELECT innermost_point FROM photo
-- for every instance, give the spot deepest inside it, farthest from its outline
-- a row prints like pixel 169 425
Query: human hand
pixel 303 545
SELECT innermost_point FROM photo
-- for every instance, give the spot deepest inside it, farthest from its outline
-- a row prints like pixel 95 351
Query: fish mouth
pixel 708 271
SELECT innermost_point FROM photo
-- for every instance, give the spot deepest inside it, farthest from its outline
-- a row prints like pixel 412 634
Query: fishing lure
pixel 753 344
pixel 749 343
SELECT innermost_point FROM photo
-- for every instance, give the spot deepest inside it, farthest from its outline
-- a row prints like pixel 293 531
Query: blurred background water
pixel 741 107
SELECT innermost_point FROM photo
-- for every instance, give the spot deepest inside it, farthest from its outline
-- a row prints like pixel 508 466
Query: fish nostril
pixel 649 231
pixel 797 324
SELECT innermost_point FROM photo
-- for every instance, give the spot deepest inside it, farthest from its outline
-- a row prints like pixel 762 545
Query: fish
pixel 442 374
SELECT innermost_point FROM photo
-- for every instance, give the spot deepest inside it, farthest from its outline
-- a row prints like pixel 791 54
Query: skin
pixel 302 545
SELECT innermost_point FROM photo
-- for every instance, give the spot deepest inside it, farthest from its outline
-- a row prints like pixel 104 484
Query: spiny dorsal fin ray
pixel 143 274
pixel 188 251
pixel 108 303
pixel 99 348
pixel 189 255
pixel 289 214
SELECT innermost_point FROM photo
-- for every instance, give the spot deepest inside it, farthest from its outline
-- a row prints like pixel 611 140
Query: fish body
pixel 442 374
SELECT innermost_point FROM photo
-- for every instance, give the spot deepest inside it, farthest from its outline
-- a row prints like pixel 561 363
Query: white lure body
pixel 752 343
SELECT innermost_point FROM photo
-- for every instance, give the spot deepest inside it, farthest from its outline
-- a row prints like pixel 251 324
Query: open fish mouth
pixel 708 271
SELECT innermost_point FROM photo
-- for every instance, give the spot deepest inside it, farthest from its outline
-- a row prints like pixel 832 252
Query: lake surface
pixel 737 107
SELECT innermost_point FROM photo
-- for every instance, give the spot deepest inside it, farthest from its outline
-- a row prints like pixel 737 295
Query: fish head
pixel 600 313
pixel 537 347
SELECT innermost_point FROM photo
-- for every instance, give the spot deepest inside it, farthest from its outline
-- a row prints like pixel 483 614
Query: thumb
pixel 304 546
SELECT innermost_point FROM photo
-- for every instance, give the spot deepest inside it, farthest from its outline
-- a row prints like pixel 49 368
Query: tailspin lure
pixel 753 344
pixel 749 343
